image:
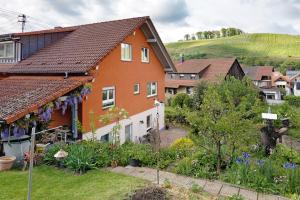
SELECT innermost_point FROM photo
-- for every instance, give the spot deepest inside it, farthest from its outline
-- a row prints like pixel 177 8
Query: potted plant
pixel 6 162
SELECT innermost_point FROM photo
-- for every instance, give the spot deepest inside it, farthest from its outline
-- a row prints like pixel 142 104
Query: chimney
pixel 181 58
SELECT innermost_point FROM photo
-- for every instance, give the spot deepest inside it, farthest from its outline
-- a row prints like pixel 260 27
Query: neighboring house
pixel 189 73
pixel 124 61
pixel 270 82
pixel 295 83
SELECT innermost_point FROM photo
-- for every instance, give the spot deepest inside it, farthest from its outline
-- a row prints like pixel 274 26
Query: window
pixel 181 75
pixel 151 89
pixel 145 55
pixel 108 97
pixel 128 132
pixel 298 86
pixel 126 52
pixel 188 90
pixel 7 50
pixel 136 89
pixel 270 96
pixel 193 76
pixel 148 120
pixel 173 76
pixel 106 138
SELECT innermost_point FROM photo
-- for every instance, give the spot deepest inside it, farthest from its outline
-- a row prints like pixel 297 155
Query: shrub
pixel 183 147
pixel 176 115
pixel 50 152
pixel 181 100
pixel 293 100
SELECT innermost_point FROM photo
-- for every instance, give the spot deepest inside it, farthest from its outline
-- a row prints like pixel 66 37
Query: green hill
pixel 247 47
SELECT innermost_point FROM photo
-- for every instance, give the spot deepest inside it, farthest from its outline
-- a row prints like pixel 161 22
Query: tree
pixel 223 32
pixel 187 37
pixel 199 35
pixel 193 37
pixel 225 119
pixel 206 35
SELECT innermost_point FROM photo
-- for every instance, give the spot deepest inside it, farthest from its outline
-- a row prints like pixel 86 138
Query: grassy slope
pixel 50 183
pixel 250 45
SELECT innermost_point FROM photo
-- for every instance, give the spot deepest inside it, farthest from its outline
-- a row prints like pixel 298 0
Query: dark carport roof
pixel 21 95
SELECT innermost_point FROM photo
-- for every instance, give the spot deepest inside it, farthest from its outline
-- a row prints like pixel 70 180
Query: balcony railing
pixel 8 60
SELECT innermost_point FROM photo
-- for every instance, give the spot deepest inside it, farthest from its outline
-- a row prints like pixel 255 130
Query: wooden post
pixel 31 154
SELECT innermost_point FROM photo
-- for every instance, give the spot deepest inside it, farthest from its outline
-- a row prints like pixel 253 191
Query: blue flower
pixel 289 165
pixel 246 155
pixel 239 160
pixel 247 162
pixel 260 162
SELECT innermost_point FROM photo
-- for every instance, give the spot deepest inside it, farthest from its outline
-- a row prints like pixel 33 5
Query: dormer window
pixel 181 75
pixel 193 76
pixel 6 50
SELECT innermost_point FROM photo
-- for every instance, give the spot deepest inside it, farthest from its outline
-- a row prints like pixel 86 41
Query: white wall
pixel 138 129
pixel 296 92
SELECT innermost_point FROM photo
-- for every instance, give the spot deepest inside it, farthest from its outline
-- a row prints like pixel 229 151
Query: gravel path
pixel 290 142
pixel 213 187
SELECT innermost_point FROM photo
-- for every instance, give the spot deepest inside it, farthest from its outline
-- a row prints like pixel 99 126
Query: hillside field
pixel 259 45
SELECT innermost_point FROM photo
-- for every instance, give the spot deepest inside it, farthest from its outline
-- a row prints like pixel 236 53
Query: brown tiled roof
pixel 81 50
pixel 192 66
pixel 54 30
pixel 172 83
pixel 211 69
pixel 256 73
pixel 219 67
pixel 21 95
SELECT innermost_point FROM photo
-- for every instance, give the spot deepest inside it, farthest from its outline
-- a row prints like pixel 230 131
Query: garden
pixel 227 141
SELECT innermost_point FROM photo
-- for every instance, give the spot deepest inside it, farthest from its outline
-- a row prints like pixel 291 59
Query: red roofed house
pixel 189 73
pixel 124 61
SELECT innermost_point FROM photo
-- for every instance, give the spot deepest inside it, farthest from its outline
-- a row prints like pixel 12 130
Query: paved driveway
pixel 169 136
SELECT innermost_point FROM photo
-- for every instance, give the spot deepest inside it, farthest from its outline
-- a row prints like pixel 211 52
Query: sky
pixel 172 18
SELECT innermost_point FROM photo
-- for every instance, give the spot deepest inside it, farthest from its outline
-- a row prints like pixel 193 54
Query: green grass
pixel 50 183
pixel 249 45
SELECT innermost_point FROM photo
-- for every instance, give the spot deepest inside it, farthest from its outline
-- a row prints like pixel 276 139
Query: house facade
pixel 189 73
pixel 124 62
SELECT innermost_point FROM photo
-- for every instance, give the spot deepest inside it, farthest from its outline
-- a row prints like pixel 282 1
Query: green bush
pixel 176 115
pixel 293 100
pixel 49 155
pixel 181 100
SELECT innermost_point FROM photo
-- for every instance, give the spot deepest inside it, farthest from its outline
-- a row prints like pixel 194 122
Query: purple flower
pixel 5 133
pixel 246 155
pixel 57 104
pixel 247 162
pixel 239 160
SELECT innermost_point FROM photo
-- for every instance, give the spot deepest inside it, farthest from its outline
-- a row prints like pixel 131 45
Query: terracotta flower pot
pixel 6 162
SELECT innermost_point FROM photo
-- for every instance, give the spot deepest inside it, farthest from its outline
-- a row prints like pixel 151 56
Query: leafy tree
pixel 187 37
pixel 193 37
pixel 224 32
pixel 198 94
pixel 225 119
pixel 199 35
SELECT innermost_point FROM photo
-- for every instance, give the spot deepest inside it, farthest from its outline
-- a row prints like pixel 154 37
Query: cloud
pixel 172 18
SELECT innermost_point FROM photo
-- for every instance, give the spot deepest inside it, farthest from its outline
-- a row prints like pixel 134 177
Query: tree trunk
pixel 219 158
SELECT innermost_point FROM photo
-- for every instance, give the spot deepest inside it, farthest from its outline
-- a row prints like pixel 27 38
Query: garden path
pixel 290 142
pixel 213 187
pixel 170 135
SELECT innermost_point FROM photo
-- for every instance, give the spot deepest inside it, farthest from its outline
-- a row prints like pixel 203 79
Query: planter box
pixel 16 147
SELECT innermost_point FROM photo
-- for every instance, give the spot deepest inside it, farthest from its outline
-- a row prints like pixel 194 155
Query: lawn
pixel 51 183
pixel 251 45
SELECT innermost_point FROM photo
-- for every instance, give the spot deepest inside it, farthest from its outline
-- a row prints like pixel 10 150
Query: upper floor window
pixel 151 89
pixel 126 52
pixel 181 75
pixel 193 76
pixel 7 50
pixel 173 76
pixel 108 97
pixel 136 88
pixel 145 55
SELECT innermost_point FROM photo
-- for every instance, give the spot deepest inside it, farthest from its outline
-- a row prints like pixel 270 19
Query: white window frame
pixel 13 54
pixel 143 57
pixel 124 47
pixel 107 101
pixel 152 84
pixel 148 127
pixel 138 86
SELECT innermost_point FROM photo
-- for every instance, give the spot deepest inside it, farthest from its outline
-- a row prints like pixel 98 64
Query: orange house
pixel 124 61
